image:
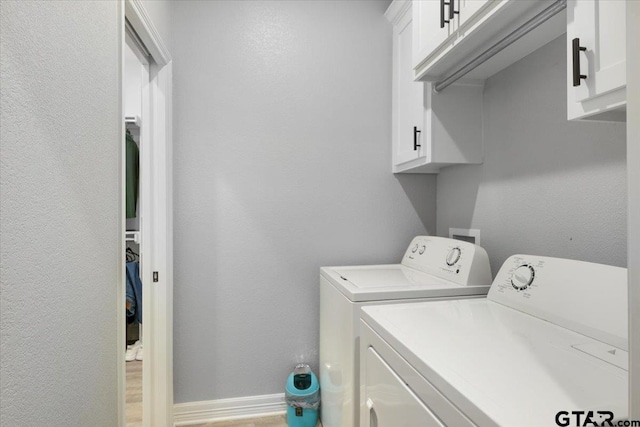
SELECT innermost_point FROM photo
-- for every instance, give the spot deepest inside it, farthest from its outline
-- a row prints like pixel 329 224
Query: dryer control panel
pixel 454 260
pixel 587 298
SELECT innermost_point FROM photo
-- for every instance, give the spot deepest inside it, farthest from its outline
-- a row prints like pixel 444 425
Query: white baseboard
pixel 188 413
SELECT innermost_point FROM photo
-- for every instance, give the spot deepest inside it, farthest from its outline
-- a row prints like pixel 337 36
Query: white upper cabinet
pixel 437 23
pixel 433 27
pixel 449 33
pixel 408 95
pixel 596 60
pixel 465 10
pixel 429 130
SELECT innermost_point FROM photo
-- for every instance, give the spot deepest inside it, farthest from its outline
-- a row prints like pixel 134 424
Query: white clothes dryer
pixel 433 268
pixel 548 346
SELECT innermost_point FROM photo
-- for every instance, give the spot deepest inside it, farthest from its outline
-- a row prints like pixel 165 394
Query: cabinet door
pixel 468 8
pixel 389 401
pixel 600 26
pixel 428 34
pixel 408 105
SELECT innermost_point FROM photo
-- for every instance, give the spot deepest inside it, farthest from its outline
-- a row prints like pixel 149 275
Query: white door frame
pixel 156 212
pixel 633 188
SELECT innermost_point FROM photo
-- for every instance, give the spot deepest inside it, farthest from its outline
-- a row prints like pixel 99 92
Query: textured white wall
pixel 282 164
pixel 59 184
pixel 547 186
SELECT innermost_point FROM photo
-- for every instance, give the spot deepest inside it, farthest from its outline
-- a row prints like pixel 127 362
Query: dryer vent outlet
pixel 471 235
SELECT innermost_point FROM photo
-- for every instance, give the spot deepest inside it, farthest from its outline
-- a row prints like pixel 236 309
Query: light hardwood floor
pixel 133 407
pixel 274 421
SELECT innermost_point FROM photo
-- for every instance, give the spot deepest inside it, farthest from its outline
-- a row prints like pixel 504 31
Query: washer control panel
pixel 454 256
pixel 585 297
pixel 522 277
pixel 455 260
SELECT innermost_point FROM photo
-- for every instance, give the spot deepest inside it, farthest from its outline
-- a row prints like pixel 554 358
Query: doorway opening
pixel 137 147
pixel 145 332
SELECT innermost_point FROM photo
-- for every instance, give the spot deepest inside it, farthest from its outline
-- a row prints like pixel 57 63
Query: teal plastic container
pixel 302 394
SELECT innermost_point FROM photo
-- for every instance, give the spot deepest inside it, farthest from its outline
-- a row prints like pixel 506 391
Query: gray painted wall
pixel 282 165
pixel 59 184
pixel 547 186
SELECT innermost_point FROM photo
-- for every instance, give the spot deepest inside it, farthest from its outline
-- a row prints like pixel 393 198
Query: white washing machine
pixel 432 268
pixel 547 347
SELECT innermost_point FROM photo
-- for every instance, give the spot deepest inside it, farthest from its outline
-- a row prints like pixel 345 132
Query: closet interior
pixel 135 74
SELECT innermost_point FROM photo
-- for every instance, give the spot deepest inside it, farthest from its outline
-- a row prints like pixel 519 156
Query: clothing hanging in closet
pixel 132 173
pixel 134 293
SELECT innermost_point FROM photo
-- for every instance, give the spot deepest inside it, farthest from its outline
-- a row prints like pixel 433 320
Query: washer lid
pixel 393 281
pixel 387 276
pixel 500 366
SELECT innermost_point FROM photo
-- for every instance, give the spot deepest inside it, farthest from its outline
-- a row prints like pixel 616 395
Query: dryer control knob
pixel 453 256
pixel 522 277
pixel 415 248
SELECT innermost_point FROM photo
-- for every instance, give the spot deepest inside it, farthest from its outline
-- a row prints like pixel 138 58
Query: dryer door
pixel 390 403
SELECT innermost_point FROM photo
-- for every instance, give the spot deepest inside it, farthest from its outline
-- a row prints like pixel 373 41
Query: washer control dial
pixel 522 277
pixel 453 256
pixel 422 249
pixel 414 249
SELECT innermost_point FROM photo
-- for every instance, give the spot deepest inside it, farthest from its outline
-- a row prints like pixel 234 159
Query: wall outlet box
pixel 471 235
